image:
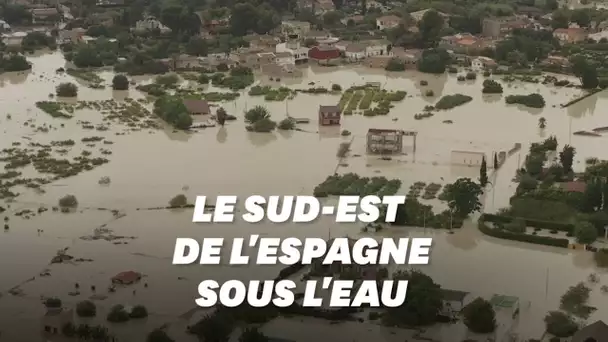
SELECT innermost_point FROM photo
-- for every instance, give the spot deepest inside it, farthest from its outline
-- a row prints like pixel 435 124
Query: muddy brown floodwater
pixel 148 167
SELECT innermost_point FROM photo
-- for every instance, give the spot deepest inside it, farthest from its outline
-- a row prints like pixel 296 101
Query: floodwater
pixel 148 167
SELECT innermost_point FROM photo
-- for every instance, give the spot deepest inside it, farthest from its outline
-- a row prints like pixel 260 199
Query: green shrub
pixel 531 100
pixel 471 75
pixel 502 234
pixel 52 303
pixel 451 101
pixel 139 311
pixel 491 87
pixel 537 224
pixel 67 90
pixel 86 308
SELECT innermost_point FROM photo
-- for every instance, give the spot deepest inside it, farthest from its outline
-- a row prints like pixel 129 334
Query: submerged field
pixel 148 166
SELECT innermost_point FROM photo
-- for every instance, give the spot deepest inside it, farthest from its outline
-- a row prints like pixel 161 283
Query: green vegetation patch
pixel 451 101
pixel 531 100
pixel 353 184
pixel 56 109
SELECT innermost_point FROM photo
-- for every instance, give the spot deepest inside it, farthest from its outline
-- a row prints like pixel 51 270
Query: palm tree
pixel 542 123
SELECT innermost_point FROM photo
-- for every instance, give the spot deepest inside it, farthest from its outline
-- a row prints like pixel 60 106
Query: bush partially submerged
pixel 68 201
pixel 531 100
pixel 178 201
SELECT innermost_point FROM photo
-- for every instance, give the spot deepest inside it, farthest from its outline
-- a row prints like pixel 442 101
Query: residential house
pixel 44 14
pixel 497 27
pixel 318 7
pixel 322 37
pixel 185 62
pixel 383 141
pixel 355 51
pixel 342 45
pixel 285 58
pixel 376 48
pixel 281 71
pixel 13 39
pixel 211 27
pixel 598 36
pixel 324 6
pixel 255 60
pixel 378 62
pixel 126 278
pixel 387 22
pixel 110 3
pixel 329 115
pixel 264 41
pixel 197 107
pixel 55 319
pixel 295 29
pixel 4 26
pixel 409 57
pixel 299 51
pixel 573 186
pixel 483 63
pixel 596 332
pixel 570 35
pixel 417 16
pixel 72 36
pixel 559 61
pixel 464 43
pixel 323 53
pixel 150 23
pixel 453 302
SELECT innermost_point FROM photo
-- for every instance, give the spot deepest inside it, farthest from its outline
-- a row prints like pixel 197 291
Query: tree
pixel 566 158
pixel 560 19
pixel 542 123
pixel 479 316
pixel 463 196
pixel 581 17
pixel 68 201
pixel 423 303
pixel 158 335
pixel 52 302
pixel 495 162
pixel 395 64
pixel 67 90
pixel 86 308
pixel 178 201
pixel 593 195
pixel 256 114
pixel 173 111
pixel 120 82
pixel 253 335
pixel 197 46
pixel 220 116
pixel 483 173
pixel 585 232
pixel 118 314
pixel 585 71
pixel 560 324
pixel 430 28
pixel 216 327
pixel 575 300
pixel 138 311
pixel 433 61
pixel 491 87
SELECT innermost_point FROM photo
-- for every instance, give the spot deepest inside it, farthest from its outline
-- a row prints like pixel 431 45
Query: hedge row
pixel 562 227
pixel 503 234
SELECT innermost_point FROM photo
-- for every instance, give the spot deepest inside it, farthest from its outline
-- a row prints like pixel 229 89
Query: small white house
pixel 150 23
pixel 387 22
pixel 482 63
pixel 376 48
pixel 355 51
pixel 13 39
pixel 285 58
pixel 467 158
pixel 299 51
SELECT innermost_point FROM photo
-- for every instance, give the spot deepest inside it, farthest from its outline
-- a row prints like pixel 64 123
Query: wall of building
pixel 469 158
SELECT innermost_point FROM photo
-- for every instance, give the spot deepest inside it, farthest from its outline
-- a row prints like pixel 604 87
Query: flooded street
pixel 148 167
